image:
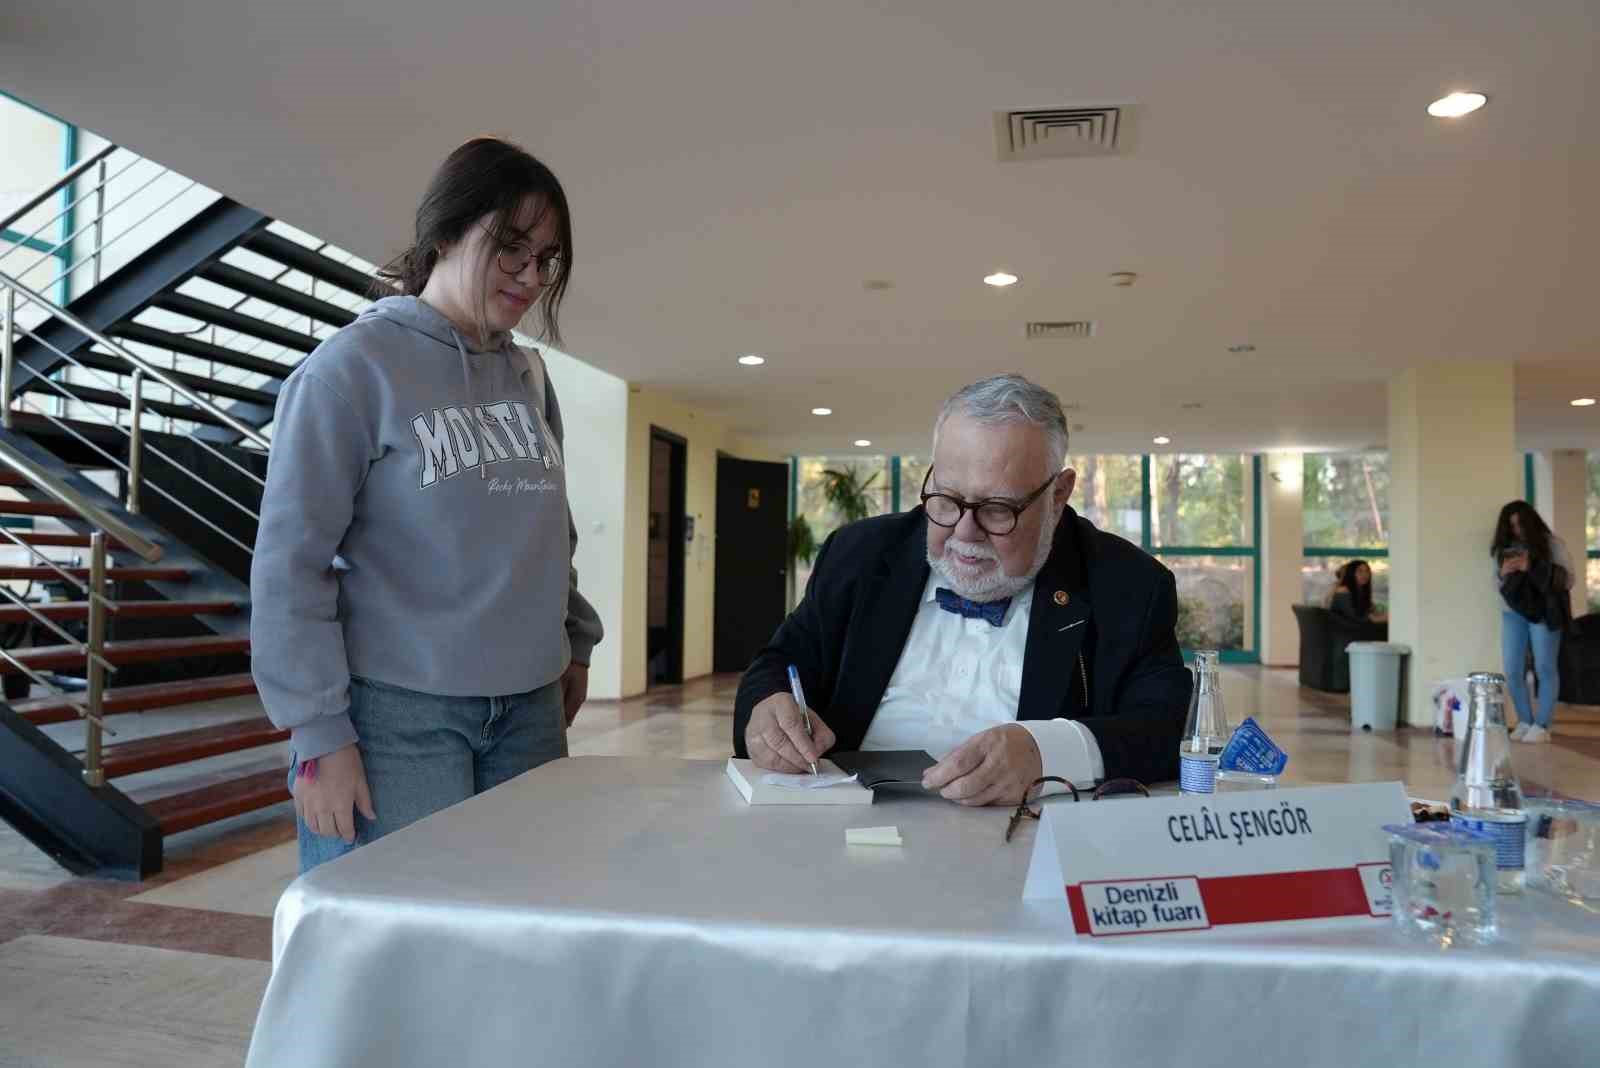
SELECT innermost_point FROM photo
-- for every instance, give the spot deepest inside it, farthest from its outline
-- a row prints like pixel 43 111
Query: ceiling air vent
pixel 1082 328
pixel 1057 133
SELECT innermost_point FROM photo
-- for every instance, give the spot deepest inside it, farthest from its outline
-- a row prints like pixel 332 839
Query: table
pixel 627 911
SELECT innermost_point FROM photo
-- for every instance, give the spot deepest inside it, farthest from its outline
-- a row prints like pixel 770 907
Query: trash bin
pixel 1376 672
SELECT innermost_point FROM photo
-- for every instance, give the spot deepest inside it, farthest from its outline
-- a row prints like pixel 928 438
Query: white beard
pixel 991 584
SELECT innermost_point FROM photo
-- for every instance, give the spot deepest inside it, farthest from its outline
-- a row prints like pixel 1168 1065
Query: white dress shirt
pixel 959 676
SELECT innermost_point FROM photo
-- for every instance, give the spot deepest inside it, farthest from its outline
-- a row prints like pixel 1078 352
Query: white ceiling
pixel 738 169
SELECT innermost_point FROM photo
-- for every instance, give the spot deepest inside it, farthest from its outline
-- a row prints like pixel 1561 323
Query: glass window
pixel 1346 499
pixel 1214 593
pixel 834 490
pixel 1109 494
pixel 912 471
pixel 1592 527
pixel 1201 501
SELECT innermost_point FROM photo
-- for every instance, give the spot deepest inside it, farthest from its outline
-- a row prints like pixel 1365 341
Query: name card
pixel 1191 863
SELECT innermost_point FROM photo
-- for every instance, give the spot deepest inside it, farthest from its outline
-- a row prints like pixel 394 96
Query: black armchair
pixel 1324 664
pixel 1580 661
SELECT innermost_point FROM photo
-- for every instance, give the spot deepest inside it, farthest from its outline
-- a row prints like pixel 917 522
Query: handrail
pixel 86 509
pixel 244 430
pixel 55 187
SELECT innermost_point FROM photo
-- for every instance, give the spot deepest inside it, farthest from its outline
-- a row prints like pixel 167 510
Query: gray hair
pixel 1011 399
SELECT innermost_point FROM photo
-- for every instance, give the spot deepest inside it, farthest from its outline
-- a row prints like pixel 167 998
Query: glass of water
pixel 1563 849
pixel 1444 883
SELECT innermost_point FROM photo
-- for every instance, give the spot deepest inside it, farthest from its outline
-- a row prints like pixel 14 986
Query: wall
pixel 594 408
pixel 1282 543
pixel 706 438
pixel 1453 465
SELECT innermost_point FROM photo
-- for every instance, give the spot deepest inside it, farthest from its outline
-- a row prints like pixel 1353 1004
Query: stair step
pixel 228 319
pixel 64 610
pixel 213 387
pixel 142 651
pixel 208 804
pixel 54 508
pixel 309 261
pixel 202 350
pixel 253 285
pixel 180 747
pixel 116 574
pixel 121 699
pixel 111 399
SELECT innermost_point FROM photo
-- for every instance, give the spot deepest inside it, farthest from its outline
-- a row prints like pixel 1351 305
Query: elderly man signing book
pixel 993 626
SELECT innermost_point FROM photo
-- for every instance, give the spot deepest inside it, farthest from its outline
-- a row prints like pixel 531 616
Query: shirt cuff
pixel 322 736
pixel 1067 750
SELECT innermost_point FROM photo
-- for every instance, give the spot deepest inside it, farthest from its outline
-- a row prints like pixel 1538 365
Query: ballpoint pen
pixel 800 699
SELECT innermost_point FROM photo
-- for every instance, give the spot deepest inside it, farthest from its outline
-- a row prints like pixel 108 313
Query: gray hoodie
pixel 415 528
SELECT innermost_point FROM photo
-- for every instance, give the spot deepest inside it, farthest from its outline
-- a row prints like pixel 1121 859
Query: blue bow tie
pixel 993 612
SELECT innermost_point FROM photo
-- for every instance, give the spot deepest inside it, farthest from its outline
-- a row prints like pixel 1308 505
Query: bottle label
pixel 1197 775
pixel 1508 833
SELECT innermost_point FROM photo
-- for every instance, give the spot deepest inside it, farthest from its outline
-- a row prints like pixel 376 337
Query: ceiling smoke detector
pixel 1060 133
pixel 1060 331
pixel 1123 278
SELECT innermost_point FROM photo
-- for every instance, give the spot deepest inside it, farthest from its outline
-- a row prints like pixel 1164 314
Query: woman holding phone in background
pixel 1533 572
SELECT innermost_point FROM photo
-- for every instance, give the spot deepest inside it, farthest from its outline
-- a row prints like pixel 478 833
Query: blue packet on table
pixel 1251 750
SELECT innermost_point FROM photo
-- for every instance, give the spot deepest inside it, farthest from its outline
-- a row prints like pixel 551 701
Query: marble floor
pixel 170 971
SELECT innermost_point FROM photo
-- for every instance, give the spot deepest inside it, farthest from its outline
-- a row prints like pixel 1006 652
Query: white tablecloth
pixel 621 911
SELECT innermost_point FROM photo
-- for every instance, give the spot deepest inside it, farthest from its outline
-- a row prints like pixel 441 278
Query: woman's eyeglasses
pixel 1034 795
pixel 514 257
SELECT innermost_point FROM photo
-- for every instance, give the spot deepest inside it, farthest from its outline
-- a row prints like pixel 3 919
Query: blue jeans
pixel 1515 634
pixel 424 753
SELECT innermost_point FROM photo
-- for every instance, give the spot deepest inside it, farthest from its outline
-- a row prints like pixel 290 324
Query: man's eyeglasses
pixel 993 515
pixel 1033 795
pixel 514 257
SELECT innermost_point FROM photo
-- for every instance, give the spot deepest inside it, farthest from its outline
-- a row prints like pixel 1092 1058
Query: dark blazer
pixel 1119 672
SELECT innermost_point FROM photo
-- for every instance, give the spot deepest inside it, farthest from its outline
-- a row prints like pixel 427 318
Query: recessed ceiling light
pixel 1000 279
pixel 877 284
pixel 1243 347
pixel 1162 440
pixel 1123 278
pixel 822 411
pixel 862 443
pixel 1583 402
pixel 1456 105
pixel 752 360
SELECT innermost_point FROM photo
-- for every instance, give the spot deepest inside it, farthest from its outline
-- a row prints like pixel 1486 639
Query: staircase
pixel 132 461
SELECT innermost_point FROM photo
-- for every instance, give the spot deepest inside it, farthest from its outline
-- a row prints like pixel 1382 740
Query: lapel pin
pixel 1062 599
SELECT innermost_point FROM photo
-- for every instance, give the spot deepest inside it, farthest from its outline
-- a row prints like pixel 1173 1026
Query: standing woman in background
pixel 416 622
pixel 1533 572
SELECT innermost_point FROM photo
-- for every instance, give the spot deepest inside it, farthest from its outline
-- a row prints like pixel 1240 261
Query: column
pixel 1561 481
pixel 1453 465
pixel 1282 548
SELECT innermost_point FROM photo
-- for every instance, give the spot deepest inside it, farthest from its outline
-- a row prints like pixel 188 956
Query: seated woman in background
pixel 1352 594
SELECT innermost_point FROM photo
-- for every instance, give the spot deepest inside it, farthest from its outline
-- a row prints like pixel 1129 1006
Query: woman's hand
pixel 1513 563
pixel 327 802
pixel 574 690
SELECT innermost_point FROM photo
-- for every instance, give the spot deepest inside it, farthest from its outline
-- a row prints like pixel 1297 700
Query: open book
pixel 748 778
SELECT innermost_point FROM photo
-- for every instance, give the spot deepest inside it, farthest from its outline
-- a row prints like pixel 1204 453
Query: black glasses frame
pixel 1109 788
pixel 549 266
pixel 963 507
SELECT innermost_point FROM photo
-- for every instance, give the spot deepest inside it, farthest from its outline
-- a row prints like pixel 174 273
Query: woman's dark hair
pixel 1535 533
pixel 1360 596
pixel 486 176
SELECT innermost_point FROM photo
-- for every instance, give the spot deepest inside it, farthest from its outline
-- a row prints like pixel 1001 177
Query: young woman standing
pixel 416 620
pixel 1533 571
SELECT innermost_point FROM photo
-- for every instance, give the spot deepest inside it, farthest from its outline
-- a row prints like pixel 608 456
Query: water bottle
pixel 1207 729
pixel 1487 796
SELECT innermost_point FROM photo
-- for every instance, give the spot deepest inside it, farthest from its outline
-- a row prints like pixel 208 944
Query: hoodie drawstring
pixel 472 406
